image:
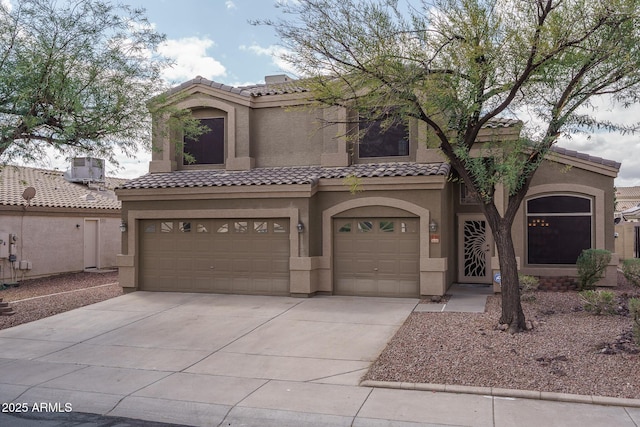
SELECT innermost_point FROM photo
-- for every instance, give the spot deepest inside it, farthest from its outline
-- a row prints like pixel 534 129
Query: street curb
pixel 506 393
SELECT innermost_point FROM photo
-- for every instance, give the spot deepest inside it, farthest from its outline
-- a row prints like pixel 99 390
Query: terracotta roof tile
pixel 628 192
pixel 587 157
pixel 53 191
pixel 281 176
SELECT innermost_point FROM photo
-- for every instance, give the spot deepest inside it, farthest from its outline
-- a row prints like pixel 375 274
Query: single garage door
pixel 240 256
pixel 377 257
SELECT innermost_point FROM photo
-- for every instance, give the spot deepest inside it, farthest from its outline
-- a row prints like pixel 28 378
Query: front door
pixel 474 249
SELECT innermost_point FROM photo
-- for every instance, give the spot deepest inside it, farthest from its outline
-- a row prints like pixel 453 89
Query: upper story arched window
pixel 559 227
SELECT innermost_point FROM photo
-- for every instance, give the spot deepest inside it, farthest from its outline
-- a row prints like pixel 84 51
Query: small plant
pixel 634 312
pixel 598 302
pixel 592 264
pixel 631 270
pixel 528 284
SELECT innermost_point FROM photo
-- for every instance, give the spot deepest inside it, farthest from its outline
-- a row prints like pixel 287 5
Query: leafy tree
pixel 456 65
pixel 76 76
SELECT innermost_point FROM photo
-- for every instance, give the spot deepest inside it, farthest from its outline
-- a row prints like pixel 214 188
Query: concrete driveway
pixel 214 360
pixel 202 358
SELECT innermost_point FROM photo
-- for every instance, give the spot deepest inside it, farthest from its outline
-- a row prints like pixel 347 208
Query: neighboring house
pixel 63 227
pixel 627 203
pixel 627 219
pixel 266 208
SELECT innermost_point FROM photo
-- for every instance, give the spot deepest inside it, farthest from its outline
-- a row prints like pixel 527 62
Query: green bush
pixel 598 302
pixel 592 264
pixel 634 312
pixel 631 270
pixel 528 284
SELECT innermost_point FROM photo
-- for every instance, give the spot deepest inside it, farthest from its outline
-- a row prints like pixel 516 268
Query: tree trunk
pixel 512 313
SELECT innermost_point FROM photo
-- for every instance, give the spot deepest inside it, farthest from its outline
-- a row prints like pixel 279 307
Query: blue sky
pixel 214 39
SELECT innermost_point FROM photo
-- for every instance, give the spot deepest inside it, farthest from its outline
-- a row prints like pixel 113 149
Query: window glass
pixel 240 226
pixel 345 228
pixel 150 228
pixel 202 228
pixel 365 226
pixel 166 227
pixel 279 227
pixel 559 204
pixel 223 228
pixel 558 229
pixel 387 226
pixel 467 197
pixel 208 148
pixel 261 227
pixel 408 227
pixel 377 141
pixel 184 227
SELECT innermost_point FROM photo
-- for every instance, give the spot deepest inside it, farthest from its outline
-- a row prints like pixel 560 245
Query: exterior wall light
pixel 433 226
pixel 300 227
pixel 123 226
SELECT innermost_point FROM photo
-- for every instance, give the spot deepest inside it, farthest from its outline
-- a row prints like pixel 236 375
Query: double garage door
pixel 377 257
pixel 240 256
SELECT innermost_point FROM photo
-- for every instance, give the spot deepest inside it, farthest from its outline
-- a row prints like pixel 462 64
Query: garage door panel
pixel 389 266
pixel 376 257
pixel 409 266
pixel 280 267
pixel 366 287
pixel 247 256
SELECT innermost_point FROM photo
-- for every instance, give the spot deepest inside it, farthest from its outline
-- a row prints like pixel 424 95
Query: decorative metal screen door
pixel 474 249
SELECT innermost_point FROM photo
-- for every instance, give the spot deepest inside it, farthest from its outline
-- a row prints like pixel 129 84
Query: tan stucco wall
pixel 55 244
pixel 286 137
pixel 625 241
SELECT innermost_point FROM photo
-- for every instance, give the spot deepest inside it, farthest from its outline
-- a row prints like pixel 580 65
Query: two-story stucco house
pixel 265 208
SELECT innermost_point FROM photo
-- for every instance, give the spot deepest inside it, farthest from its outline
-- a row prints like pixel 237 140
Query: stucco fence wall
pixel 55 244
pixel 625 239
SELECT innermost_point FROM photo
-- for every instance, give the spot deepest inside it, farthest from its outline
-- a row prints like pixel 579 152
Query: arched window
pixel 559 227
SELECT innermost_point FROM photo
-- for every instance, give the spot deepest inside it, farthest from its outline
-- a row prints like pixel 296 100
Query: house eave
pixel 587 165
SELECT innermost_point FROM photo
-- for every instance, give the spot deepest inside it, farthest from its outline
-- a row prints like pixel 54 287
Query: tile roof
pixel 628 192
pixel 53 191
pixel 281 176
pixel 587 157
pixel 501 122
pixel 248 91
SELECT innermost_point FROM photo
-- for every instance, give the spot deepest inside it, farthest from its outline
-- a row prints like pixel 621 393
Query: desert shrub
pixel 598 302
pixel 592 264
pixel 528 284
pixel 631 270
pixel 634 312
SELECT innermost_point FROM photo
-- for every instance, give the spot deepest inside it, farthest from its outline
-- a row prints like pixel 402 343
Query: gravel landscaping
pixel 38 298
pixel 568 350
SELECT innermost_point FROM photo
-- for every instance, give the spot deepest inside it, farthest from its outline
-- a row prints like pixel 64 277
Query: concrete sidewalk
pixel 212 360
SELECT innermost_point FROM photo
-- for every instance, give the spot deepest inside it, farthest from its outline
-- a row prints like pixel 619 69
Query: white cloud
pixel 275 52
pixel 230 4
pixel 191 60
